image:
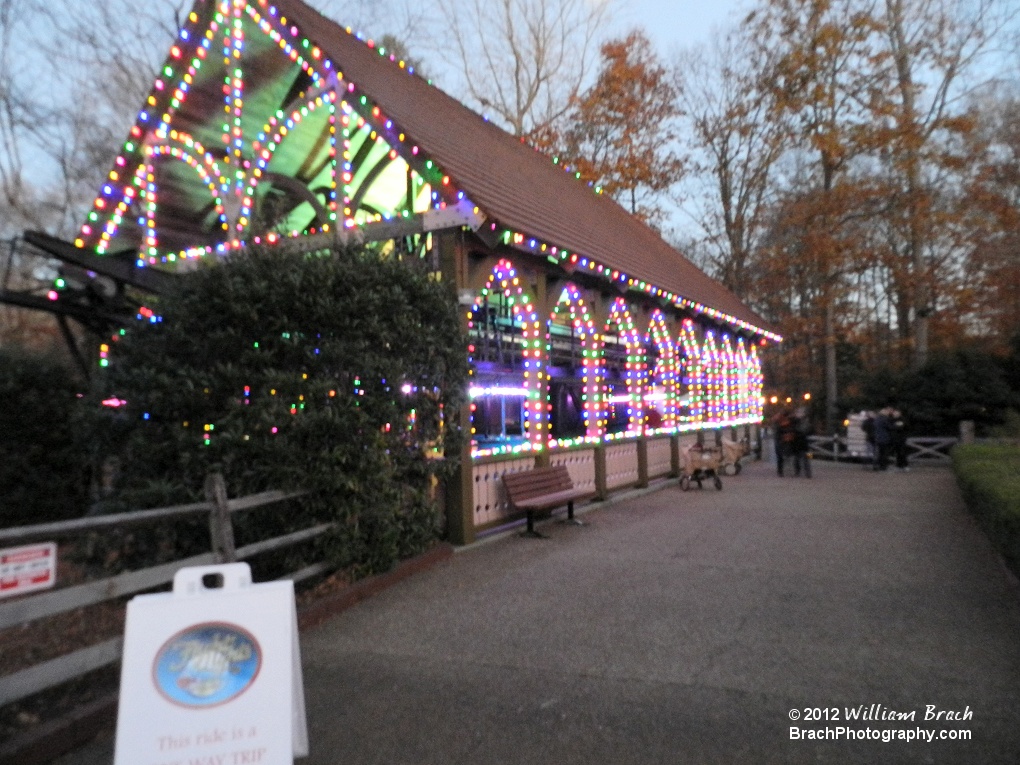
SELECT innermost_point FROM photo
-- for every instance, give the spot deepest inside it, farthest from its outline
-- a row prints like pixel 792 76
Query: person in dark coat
pixel 782 430
pixel 801 426
pixel 868 426
pixel 883 438
pixel 898 439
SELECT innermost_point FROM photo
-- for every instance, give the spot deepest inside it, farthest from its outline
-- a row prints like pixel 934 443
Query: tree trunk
pixel 909 130
pixel 831 381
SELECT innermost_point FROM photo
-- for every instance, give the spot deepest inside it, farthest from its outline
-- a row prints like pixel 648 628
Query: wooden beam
pixel 148 279
pixel 87 315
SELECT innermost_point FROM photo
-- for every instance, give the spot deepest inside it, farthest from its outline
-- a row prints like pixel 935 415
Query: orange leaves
pixel 621 131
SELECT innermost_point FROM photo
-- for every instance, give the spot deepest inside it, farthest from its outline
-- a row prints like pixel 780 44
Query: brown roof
pixel 512 183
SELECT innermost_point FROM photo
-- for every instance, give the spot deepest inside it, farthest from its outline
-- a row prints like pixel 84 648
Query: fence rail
pixel 920 449
pixel 218 507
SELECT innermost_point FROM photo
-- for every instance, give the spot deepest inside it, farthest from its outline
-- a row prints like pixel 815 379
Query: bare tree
pixel 735 137
pixel 822 80
pixel 522 61
pixel 929 47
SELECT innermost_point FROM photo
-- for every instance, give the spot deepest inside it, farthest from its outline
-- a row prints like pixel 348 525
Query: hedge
pixel 989 477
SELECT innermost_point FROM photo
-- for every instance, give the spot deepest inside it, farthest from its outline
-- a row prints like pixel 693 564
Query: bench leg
pixel 530 530
pixel 570 515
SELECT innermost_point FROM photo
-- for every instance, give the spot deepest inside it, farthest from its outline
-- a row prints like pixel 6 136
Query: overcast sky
pixel 677 23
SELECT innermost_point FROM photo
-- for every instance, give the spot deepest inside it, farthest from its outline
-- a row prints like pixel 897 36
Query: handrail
pixel 61 529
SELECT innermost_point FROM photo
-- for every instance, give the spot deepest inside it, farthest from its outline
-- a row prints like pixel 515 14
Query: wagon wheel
pixel 718 483
pixel 730 468
pixel 685 482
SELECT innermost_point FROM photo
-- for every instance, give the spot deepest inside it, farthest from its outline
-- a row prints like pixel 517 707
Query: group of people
pixel 886 434
pixel 790 429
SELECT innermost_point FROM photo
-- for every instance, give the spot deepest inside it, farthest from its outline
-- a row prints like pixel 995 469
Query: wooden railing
pixel 217 507
pixel 927 449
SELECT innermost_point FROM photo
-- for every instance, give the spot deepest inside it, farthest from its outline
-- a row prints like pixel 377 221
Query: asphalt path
pixel 732 626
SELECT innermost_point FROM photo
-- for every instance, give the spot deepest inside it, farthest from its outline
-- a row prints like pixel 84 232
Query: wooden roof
pixel 513 184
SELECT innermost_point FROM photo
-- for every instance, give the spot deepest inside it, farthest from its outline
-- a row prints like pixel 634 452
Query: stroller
pixel 733 452
pixel 702 463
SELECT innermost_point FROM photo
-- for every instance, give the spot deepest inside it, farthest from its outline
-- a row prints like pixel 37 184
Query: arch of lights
pixel 366 170
pixel 572 336
pixel 701 384
pixel 692 381
pixel 623 397
pixel 661 392
pixel 496 383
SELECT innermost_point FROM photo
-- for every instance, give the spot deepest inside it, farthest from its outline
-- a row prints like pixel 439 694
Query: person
pixel 868 426
pixel 898 439
pixel 801 427
pixel 883 438
pixel 782 428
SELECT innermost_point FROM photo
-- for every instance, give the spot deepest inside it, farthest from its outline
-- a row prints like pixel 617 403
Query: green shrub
pixel 989 477
pixel 44 470
pixel 287 370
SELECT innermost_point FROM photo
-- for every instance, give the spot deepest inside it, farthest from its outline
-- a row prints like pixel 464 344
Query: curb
pixel 57 737
pixel 324 609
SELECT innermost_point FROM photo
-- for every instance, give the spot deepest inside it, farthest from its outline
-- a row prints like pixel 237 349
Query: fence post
pixel 642 462
pixel 966 431
pixel 221 532
pixel 601 490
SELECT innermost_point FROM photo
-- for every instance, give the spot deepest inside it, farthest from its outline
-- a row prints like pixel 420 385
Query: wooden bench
pixel 540 489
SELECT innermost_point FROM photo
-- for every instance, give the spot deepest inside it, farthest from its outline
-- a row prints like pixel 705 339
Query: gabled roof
pixel 512 183
pixel 258 107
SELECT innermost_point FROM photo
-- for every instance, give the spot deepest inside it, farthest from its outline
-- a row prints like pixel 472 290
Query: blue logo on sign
pixel 206 665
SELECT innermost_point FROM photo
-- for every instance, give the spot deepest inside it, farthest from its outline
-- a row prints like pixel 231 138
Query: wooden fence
pixel 920 449
pixel 217 507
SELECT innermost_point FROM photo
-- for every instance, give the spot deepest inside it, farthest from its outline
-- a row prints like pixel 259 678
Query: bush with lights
pixel 284 369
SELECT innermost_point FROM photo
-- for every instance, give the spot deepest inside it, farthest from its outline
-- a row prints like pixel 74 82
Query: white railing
pixel 660 457
pixel 580 464
pixel 622 465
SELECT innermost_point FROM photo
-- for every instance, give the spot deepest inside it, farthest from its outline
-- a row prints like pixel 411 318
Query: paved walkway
pixel 686 628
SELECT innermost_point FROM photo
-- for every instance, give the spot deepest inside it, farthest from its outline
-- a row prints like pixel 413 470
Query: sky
pixel 677 23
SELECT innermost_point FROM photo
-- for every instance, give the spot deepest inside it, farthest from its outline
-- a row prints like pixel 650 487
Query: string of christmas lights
pixel 720 382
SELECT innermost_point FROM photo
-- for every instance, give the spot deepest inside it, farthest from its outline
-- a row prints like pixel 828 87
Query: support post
pixel 966 431
pixel 674 455
pixel 459 494
pixel 221 531
pixel 601 483
pixel 642 462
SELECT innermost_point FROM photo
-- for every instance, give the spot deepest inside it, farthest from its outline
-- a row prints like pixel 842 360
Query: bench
pixel 540 489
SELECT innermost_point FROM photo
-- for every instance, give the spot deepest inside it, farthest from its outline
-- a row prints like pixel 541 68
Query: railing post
pixel 966 431
pixel 642 462
pixel 674 455
pixel 601 482
pixel 221 531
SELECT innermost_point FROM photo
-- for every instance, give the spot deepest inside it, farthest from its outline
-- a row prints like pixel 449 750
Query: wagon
pixel 733 452
pixel 702 463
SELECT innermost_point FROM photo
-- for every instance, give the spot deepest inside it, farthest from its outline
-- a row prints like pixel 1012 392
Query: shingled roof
pixel 512 183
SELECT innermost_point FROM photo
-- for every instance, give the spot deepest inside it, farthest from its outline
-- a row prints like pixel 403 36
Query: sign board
pixel 211 673
pixel 28 568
